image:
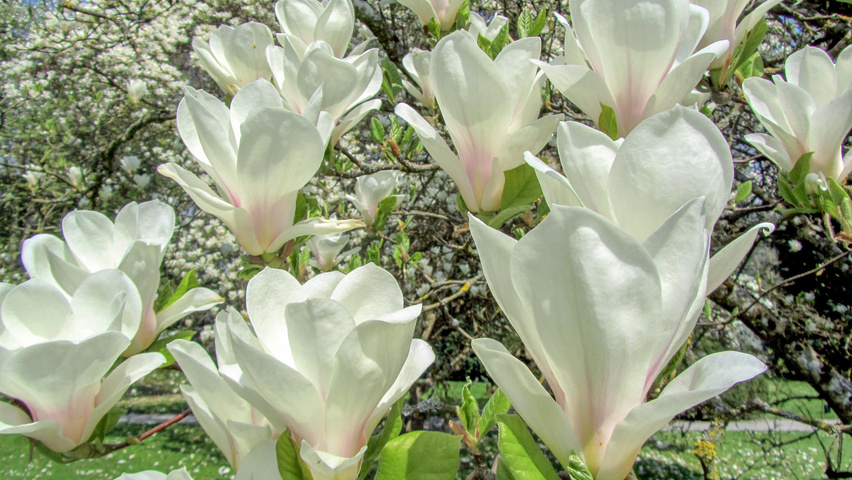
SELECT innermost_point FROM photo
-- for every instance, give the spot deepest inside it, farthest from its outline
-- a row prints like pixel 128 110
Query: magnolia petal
pixel 707 378
pixel 494 250
pixel 35 253
pixel 529 398
pixel 316 329
pixel 440 152
pixel 467 82
pixel 335 25
pixel 327 466
pixel 299 17
pixel 573 54
pixel 352 118
pixel 829 128
pixel 685 146
pixel 773 149
pixel 554 186
pixel 812 70
pixel 723 263
pixel 583 87
pixel 236 219
pixel 798 108
pixel 680 249
pixel 195 300
pixel 314 226
pixel 368 293
pixel 27 322
pixel 118 381
pixel 843 70
pixel 682 79
pixel 750 21
pixel 596 291
pixel 366 365
pixel 337 77
pixel 632 45
pixel 215 136
pixel 257 94
pixel 89 235
pixel 267 295
pixel 260 463
pixel 14 421
pixel 278 145
pixel 293 396
pixel 530 138
pixel 587 155
pixel 421 8
pixel 106 300
pixel 420 357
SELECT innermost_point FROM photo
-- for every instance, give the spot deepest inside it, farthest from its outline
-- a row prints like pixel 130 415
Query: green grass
pixel 741 455
pixel 178 446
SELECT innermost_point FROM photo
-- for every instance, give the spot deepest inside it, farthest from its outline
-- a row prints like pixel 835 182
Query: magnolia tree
pixel 601 263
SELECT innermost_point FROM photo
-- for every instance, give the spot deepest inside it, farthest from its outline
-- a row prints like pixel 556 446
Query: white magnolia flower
pixel 130 163
pixel 326 360
pixel 258 155
pixel 181 474
pixel 231 422
pixel 417 64
pixel 235 56
pixel 602 314
pixel 443 11
pixel 633 56
pixel 488 30
pixel 491 110
pixel 345 85
pixel 75 175
pixel 135 244
pixel 136 89
pixel 306 21
pixel 370 190
pixel 142 181
pixel 724 25
pixel 810 111
pixel 640 181
pixel 326 250
pixel 55 351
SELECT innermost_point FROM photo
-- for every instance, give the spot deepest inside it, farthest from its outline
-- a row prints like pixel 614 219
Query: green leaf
pixel 539 24
pixel 374 252
pixel 107 423
pixel 484 44
pixel 301 212
pixel 391 81
pixel 525 24
pixel 355 261
pixel 406 139
pixel 506 215
pixel 520 451
pixel 377 131
pixel 420 456
pixel 391 429
pixel 801 169
pixel 607 122
pixel 463 16
pixel 461 205
pixel 503 472
pixel 434 28
pixel 160 345
pixel 748 48
pixel 290 466
pixel 188 282
pixel 846 215
pixel 838 194
pixel 385 208
pixel 469 411
pixel 521 187
pixel 500 41
pixel 743 191
pixel 249 272
pixel 577 470
pixel 498 404
pixel 751 67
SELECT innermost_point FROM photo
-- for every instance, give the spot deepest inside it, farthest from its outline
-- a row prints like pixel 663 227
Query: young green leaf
pixel 607 122
pixel 525 23
pixel 521 187
pixel 469 411
pixel 520 451
pixel 498 404
pixel 188 282
pixel 540 21
pixel 420 455
pixel 290 466
pixel 377 131
pixel 743 191
pixel 391 429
